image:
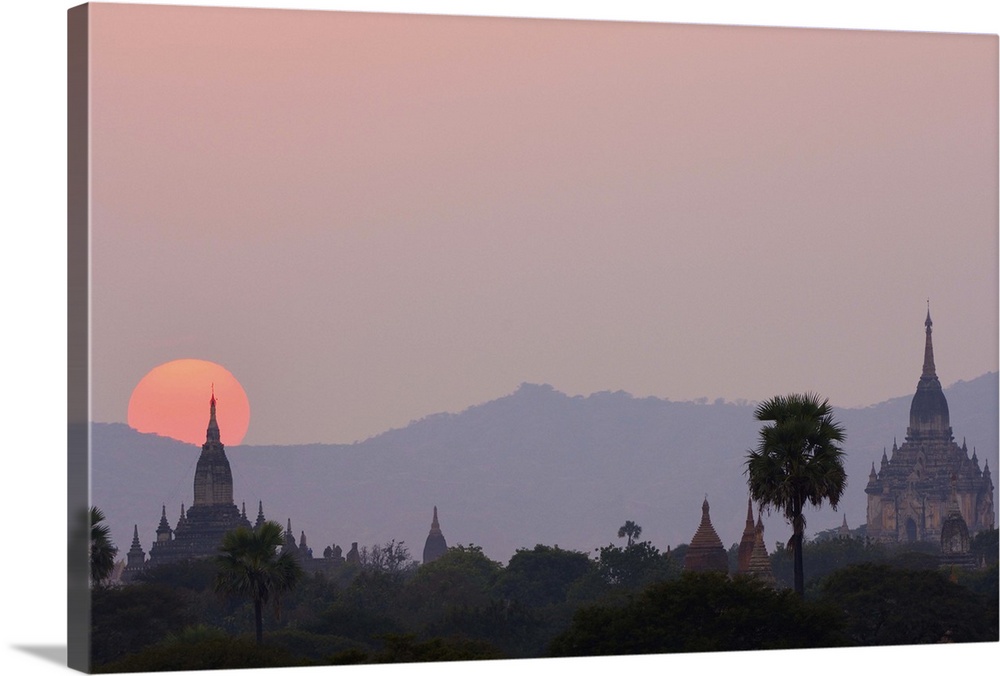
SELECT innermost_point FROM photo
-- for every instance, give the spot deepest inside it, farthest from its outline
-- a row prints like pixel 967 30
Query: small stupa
pixel 706 553
pixel 435 545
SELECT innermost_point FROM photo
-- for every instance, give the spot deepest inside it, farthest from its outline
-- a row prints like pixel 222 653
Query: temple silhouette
pixel 200 528
pixel 929 489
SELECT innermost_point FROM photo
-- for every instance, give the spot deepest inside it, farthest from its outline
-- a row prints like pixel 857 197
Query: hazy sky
pixel 371 218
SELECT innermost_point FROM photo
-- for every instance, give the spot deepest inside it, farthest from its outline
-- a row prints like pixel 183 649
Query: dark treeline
pixel 546 601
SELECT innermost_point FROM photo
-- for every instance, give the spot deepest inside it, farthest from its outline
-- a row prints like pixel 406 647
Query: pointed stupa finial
pixel 749 510
pixel 929 370
pixel 435 544
pixel 260 514
pixel 212 435
pixel 135 534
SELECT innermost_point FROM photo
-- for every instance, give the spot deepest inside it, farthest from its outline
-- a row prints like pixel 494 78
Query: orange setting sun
pixel 172 400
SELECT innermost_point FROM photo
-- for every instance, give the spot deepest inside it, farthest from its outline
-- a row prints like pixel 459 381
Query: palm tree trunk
pixel 258 616
pixel 797 537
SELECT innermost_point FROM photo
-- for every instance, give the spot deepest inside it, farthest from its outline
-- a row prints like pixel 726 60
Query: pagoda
pixel 929 476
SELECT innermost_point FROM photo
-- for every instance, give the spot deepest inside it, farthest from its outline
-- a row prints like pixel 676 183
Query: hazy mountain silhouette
pixel 536 466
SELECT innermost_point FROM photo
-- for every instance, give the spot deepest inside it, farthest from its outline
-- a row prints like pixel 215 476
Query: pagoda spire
pixel 435 544
pixel 213 477
pixel 746 541
pixel 212 434
pixel 260 514
pixel 760 564
pixel 929 370
pixel 163 531
pixel 929 418
pixel 135 557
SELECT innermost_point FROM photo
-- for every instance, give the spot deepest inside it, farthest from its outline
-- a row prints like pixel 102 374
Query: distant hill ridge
pixel 535 466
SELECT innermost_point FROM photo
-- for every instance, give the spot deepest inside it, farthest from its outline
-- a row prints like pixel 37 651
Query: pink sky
pixel 371 218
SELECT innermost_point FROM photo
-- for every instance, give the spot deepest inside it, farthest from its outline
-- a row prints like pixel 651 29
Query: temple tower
pixel 200 529
pixel 213 478
pixel 747 541
pixel 706 553
pixel 163 532
pixel 760 562
pixel 435 544
pixel 354 556
pixel 929 419
pixel 135 558
pixel 910 496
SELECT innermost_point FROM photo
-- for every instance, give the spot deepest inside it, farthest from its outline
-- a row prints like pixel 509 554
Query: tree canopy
pixel 700 612
pixel 886 605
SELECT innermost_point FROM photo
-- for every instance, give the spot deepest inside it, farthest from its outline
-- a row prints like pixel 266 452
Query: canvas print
pixel 404 338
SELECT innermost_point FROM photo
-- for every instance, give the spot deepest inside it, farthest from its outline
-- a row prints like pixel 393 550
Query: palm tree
pixel 251 567
pixel 631 530
pixel 102 549
pixel 797 461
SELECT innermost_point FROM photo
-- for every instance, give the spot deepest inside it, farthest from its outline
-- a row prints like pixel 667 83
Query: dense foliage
pixel 882 605
pixel 544 601
pixel 701 612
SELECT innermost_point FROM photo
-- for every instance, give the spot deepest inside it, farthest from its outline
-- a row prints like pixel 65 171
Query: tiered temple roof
pixel 760 564
pixel 706 552
pixel 747 541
